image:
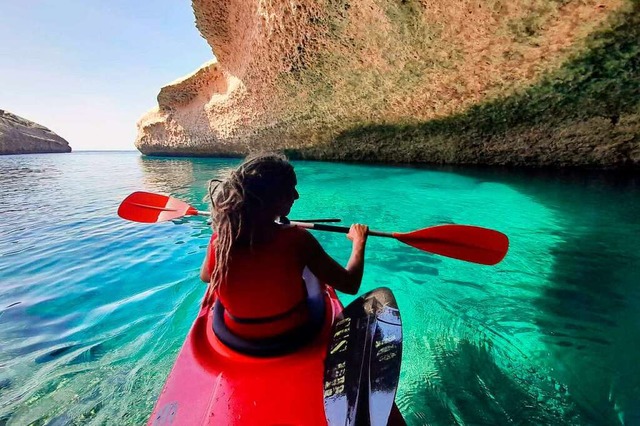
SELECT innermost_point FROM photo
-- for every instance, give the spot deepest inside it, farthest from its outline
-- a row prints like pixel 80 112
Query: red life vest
pixel 264 294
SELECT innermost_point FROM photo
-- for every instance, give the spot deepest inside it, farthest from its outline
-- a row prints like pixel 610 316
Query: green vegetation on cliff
pixel 585 113
pixel 525 83
pixel 602 82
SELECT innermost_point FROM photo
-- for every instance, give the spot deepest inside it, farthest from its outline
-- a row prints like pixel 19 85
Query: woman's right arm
pixel 346 280
pixel 207 265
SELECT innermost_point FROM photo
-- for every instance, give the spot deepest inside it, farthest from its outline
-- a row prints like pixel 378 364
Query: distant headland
pixel 21 136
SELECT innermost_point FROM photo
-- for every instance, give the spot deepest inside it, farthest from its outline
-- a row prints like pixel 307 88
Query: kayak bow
pixel 211 384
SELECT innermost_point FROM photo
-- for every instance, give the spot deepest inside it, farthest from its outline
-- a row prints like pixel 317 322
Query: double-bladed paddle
pixel 463 242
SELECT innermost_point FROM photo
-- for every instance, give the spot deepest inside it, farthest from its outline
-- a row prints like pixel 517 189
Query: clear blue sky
pixel 89 69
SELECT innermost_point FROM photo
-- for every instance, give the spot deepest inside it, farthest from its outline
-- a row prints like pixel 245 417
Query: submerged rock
pixel 521 83
pixel 21 136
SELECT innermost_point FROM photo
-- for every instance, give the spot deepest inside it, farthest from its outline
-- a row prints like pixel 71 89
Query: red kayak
pixel 211 384
pixel 354 384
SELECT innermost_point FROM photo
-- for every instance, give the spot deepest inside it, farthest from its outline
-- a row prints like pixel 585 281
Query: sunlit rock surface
pixel 505 82
pixel 21 136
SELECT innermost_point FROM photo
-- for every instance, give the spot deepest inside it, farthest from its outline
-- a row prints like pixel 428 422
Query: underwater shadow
pixel 468 387
pixel 588 316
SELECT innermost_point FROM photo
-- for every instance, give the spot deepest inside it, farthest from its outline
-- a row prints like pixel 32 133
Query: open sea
pixel 93 309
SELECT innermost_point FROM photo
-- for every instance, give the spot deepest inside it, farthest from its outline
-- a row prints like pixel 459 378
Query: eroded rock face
pixel 21 136
pixel 400 81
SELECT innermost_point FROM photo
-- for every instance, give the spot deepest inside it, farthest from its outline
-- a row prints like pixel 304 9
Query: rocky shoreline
pixel 21 136
pixel 555 84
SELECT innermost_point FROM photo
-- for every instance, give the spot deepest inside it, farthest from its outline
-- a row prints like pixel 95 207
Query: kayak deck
pixel 212 384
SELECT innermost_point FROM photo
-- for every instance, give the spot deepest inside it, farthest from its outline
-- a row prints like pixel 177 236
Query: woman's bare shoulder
pixel 299 234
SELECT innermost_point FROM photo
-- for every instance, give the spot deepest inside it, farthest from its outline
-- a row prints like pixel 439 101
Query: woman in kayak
pixel 254 266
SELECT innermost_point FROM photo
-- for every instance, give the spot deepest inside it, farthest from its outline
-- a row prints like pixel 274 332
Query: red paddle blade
pixel 147 207
pixel 464 242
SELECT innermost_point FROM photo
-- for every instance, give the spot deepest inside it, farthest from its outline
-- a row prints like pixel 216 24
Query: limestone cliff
pixel 21 136
pixel 526 82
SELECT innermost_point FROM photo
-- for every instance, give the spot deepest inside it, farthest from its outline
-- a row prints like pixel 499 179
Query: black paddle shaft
pixel 340 229
pixel 331 228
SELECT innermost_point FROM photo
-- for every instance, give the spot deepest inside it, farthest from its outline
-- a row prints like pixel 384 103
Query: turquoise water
pixel 94 309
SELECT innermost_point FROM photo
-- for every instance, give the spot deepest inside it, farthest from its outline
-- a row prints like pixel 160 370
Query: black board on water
pixel 362 368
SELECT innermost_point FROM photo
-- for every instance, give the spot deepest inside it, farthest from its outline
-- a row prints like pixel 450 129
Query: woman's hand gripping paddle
pixel 463 242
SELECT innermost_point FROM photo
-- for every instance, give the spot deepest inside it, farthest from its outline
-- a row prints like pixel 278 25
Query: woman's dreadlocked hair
pixel 240 201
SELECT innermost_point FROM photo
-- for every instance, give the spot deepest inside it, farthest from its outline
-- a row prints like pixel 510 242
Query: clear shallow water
pixel 93 309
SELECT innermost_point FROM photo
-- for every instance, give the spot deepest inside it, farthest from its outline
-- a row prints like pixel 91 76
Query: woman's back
pixel 263 293
pixel 265 278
